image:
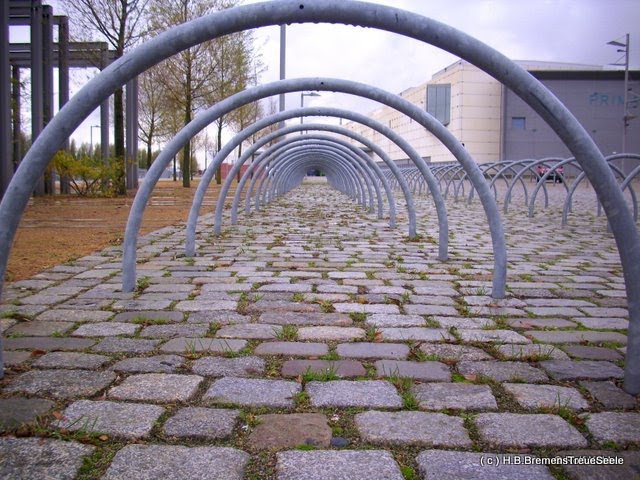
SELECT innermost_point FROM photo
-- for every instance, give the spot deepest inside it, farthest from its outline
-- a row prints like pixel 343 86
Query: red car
pixel 556 175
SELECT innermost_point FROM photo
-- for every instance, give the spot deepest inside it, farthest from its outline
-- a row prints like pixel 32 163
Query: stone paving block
pixel 577 336
pixel 62 384
pixel 211 345
pixel 149 315
pixel 38 328
pixel 593 353
pixel 73 316
pixel 229 367
pixel 220 317
pixel 305 318
pixel 15 358
pixel 154 364
pixel 153 462
pixel 252 392
pixel 617 427
pixel 341 368
pixel 337 465
pixel 421 309
pixel 359 393
pixel 128 345
pixel 503 371
pixel 157 387
pixel 452 465
pixel 16 411
pixel 459 396
pixel 301 349
pixel 47 343
pixel 424 371
pixel 125 420
pixel 366 308
pixel 412 428
pixel 142 305
pixel 532 430
pixel 464 323
pixel 541 323
pixel 175 330
pixel 416 333
pixel 391 320
pixel 202 423
pixel 627 471
pixel 249 331
pixel 203 304
pixel 605 323
pixel 373 350
pixel 454 353
pixel 329 333
pixel 570 312
pixel 583 369
pixel 278 431
pixel 105 329
pixel 610 395
pixel 531 352
pixel 546 396
pixel 606 312
pixel 501 336
pixel 31 458
pixel 71 360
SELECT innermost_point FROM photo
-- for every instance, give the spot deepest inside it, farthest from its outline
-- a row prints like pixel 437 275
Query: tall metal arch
pixel 362 14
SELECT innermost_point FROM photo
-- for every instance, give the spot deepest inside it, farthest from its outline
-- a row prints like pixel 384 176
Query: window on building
pixel 518 123
pixel 439 102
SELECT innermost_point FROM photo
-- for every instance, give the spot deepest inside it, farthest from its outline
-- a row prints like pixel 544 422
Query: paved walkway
pixel 311 341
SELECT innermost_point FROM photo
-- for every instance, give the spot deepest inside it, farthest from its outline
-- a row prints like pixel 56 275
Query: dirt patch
pixel 62 228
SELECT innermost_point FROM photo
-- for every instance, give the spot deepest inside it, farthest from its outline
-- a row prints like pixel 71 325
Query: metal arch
pixel 359 153
pixel 247 133
pixel 348 87
pixel 382 17
pixel 568 201
pixel 542 180
pixel 529 168
pixel 355 169
pixel 501 174
pixel 320 127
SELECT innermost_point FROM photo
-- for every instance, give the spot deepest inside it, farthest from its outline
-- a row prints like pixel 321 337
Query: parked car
pixel 556 175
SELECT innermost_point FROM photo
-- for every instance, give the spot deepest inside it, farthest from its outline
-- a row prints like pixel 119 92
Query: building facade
pixel 494 124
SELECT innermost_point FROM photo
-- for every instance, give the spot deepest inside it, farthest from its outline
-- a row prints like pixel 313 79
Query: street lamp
pixel 91 136
pixel 626 117
pixel 302 95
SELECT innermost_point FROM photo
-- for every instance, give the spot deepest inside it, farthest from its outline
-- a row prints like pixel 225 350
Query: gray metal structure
pixel 359 14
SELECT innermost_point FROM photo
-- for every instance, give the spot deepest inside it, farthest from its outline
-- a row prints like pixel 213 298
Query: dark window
pixel 518 123
pixel 439 102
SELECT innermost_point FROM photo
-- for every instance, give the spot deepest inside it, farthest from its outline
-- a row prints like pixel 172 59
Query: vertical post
pixel 128 134
pixel 6 167
pixel 16 120
pixel 283 52
pixel 625 118
pixel 63 80
pixel 104 111
pixel 36 77
pixel 47 82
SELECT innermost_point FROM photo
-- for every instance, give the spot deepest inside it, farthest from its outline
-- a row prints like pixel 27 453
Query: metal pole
pixel 104 111
pixel 36 78
pixel 6 167
pixel 63 80
pixel 625 118
pixel 283 55
pixel 47 82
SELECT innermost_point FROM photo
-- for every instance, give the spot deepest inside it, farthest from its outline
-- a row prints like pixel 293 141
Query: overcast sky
pixel 575 31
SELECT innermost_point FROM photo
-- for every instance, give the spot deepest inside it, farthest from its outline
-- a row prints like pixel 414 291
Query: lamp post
pixel 91 136
pixel 302 95
pixel 625 116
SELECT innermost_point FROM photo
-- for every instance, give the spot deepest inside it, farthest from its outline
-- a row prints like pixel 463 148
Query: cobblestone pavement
pixel 312 341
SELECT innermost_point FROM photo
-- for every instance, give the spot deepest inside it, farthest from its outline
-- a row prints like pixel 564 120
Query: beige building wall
pixel 476 106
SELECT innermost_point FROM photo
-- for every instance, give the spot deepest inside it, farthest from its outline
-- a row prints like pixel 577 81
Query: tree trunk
pixel 219 169
pixel 118 140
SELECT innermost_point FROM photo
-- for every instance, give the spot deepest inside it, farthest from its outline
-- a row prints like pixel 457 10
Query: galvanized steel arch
pixel 366 15
pixel 349 87
pixel 337 141
pixel 312 127
pixel 529 165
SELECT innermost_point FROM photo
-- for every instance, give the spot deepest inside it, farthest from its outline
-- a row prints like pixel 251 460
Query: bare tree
pixel 149 110
pixel 121 24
